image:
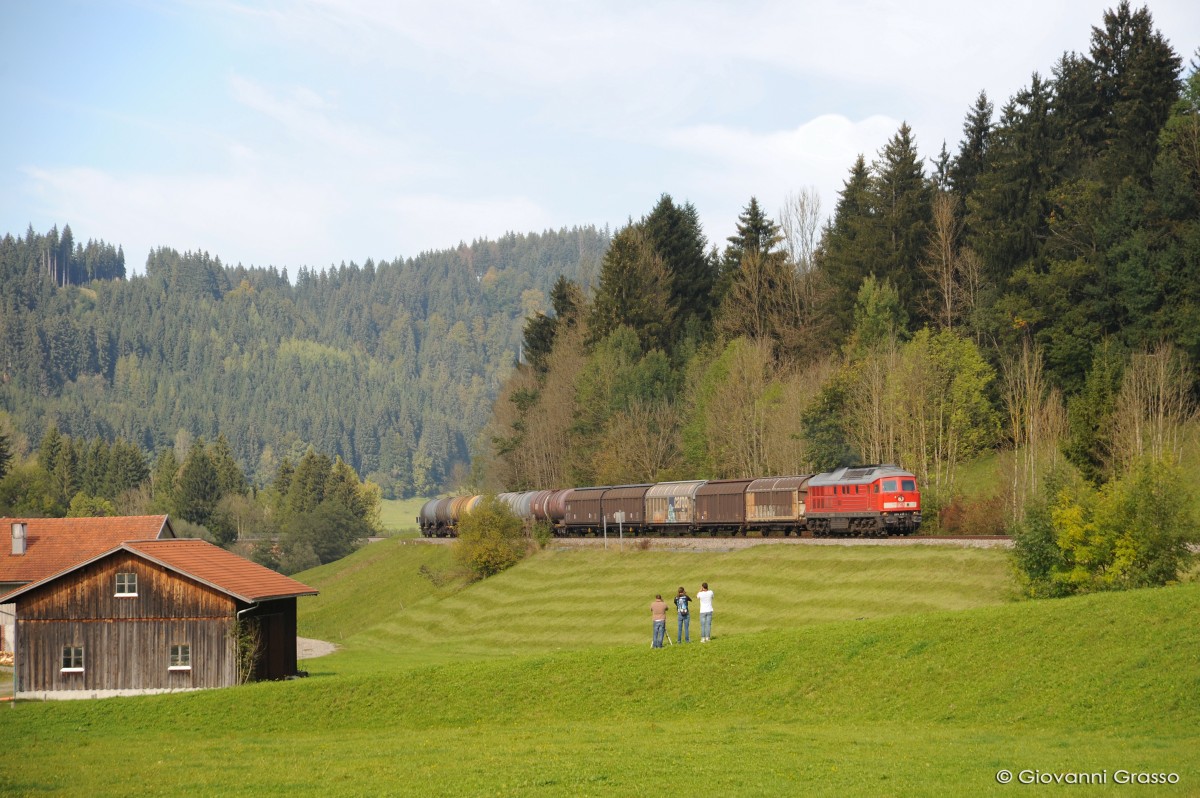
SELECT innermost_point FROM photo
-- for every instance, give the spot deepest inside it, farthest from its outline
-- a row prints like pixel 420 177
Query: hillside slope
pixel 934 703
pixel 570 599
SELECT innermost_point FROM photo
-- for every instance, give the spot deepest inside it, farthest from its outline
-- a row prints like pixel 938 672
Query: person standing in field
pixel 705 597
pixel 682 600
pixel 658 611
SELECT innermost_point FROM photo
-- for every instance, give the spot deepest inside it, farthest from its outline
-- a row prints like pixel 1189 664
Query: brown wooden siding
pixel 126 640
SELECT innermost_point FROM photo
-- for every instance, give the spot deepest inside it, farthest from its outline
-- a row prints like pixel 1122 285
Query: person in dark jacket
pixel 682 600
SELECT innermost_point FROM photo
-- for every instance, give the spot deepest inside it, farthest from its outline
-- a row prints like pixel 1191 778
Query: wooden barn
pixel 154 616
pixel 42 547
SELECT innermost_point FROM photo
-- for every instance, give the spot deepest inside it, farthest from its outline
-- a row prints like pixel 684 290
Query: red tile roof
pixel 202 561
pixel 220 569
pixel 54 545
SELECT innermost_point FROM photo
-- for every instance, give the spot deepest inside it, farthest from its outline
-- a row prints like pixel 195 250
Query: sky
pixel 308 133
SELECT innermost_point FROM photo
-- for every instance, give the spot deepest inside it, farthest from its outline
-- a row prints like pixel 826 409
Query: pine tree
pixel 230 479
pixel 849 246
pixel 48 451
pixel 308 485
pixel 1137 81
pixel 1009 207
pixel 162 481
pixel 903 198
pixel 634 291
pixel 675 235
pixel 971 159
pixel 756 234
pixel 5 453
pixel 198 486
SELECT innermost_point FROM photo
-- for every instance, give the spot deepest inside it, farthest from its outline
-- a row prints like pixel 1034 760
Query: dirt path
pixel 307 648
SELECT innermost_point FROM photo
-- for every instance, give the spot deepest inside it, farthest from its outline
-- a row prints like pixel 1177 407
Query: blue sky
pixel 310 132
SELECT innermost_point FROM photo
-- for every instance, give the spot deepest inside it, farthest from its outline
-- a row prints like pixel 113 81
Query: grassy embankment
pixel 942 684
pixel 399 516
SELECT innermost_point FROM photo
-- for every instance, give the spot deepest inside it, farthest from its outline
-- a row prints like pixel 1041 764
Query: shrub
pixel 1133 532
pixel 490 538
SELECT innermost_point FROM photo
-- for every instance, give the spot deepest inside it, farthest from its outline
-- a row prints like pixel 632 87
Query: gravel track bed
pixel 733 544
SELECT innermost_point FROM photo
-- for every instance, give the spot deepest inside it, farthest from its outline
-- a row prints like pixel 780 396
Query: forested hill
pixel 393 365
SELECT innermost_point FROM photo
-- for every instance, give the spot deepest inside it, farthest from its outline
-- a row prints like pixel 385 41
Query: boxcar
pixel 630 500
pixel 582 510
pixel 671 506
pixel 721 507
pixel 777 503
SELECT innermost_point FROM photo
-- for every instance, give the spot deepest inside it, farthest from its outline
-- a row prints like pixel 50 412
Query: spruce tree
pixel 1137 80
pixel 198 486
pixel 1010 207
pixel 903 198
pixel 5 453
pixel 848 246
pixel 756 234
pixel 972 155
pixel 230 479
pixel 675 235
pixel 634 291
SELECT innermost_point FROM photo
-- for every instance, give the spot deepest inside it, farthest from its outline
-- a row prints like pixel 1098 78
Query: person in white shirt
pixel 705 597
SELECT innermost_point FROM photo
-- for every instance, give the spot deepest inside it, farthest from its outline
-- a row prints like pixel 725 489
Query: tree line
pixel 311 512
pixel 1032 295
pixel 392 365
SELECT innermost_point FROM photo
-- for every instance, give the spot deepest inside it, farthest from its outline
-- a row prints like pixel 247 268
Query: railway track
pixel 732 543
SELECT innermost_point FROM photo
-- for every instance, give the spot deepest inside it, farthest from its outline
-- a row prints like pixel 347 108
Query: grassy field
pixel 581 598
pixel 398 516
pixel 865 671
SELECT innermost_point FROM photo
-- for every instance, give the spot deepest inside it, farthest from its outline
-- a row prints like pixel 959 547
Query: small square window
pixel 127 584
pixel 181 657
pixel 72 659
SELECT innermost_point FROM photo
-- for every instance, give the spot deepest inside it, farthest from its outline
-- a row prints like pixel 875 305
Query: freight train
pixel 859 501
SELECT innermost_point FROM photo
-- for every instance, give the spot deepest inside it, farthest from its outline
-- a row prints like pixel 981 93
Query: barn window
pixel 127 584
pixel 72 659
pixel 181 657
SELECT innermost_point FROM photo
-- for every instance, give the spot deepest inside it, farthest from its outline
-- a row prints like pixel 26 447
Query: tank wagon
pixel 860 501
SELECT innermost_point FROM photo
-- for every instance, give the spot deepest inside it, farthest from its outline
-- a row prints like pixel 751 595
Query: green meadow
pixel 833 670
pixel 399 516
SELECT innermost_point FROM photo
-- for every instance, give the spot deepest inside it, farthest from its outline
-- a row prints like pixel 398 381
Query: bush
pixel 490 538
pixel 1134 532
pixel 979 517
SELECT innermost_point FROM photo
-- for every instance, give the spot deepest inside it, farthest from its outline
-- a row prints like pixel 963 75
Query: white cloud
pixel 736 163
pixel 237 217
pixel 441 222
pixel 246 218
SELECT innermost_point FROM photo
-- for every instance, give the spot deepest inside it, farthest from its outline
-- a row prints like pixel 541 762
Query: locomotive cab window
pixel 908 484
pixel 889 486
pixel 126 584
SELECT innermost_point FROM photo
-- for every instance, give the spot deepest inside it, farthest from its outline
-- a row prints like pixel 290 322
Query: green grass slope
pixel 926 704
pixel 399 516
pixel 579 598
pixel 377 581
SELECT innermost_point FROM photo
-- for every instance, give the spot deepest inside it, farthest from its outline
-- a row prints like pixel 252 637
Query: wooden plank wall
pixel 127 640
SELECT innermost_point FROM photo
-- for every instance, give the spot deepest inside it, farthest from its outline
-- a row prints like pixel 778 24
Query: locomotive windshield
pixel 889 485
pixel 908 484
